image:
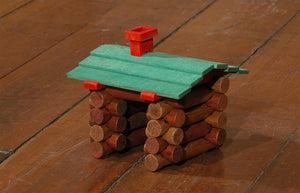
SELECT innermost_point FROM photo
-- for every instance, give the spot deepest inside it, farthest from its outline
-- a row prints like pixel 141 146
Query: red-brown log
pixel 99 99
pixel 154 145
pixel 196 147
pixel 220 85
pixel 91 123
pixel 125 94
pixel 117 141
pixel 100 132
pixel 176 117
pixel 99 116
pixel 117 124
pixel 137 120
pixel 117 107
pixel 155 162
pixel 173 153
pixel 196 131
pixel 218 102
pixel 156 128
pixel 216 136
pixel 158 110
pixel 101 149
pixel 173 136
pixel 197 114
pixel 217 119
pixel 198 95
pixel 136 137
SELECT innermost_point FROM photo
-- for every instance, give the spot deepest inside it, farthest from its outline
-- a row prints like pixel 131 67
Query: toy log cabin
pixel 173 105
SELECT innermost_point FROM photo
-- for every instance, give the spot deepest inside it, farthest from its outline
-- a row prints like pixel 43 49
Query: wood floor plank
pixel 59 160
pixel 41 25
pixel 39 92
pixel 228 35
pixel 284 174
pixel 7 6
pixel 263 111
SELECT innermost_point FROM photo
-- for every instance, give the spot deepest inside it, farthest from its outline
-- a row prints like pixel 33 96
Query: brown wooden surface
pixel 44 40
pixel 8 6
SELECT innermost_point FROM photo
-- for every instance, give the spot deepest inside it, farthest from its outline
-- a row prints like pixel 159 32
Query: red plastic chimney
pixel 141 39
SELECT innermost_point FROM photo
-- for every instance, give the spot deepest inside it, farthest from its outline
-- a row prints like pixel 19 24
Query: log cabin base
pixel 171 130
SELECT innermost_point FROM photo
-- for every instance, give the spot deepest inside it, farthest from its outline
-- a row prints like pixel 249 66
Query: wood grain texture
pixel 8 6
pixel 255 134
pixel 61 155
pixel 42 84
pixel 283 174
pixel 39 26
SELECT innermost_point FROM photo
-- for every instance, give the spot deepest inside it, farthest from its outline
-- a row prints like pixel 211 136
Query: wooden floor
pixel 43 114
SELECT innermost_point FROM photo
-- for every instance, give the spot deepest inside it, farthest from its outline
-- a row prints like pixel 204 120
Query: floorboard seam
pixel 45 127
pixel 272 161
pixel 124 174
pixel 10 12
pixel 185 23
pixel 13 70
pixel 271 37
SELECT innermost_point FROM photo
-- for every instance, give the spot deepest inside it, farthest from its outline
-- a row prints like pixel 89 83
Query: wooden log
pixel 217 119
pixel 173 153
pixel 135 107
pixel 117 124
pixel 136 137
pixel 148 116
pixel 156 128
pixel 196 147
pixel 196 131
pixel 99 99
pixel 221 85
pixel 137 120
pixel 216 136
pixel 101 149
pixel 117 141
pixel 91 123
pixel 99 116
pixel 197 96
pixel 155 162
pixel 218 102
pixel 100 133
pixel 176 117
pixel 91 139
pixel 125 94
pixel 197 114
pixel 158 110
pixel 117 107
pixel 173 136
pixel 154 145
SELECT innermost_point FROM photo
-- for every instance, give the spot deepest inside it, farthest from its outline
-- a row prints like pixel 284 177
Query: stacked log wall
pixel 115 124
pixel 181 129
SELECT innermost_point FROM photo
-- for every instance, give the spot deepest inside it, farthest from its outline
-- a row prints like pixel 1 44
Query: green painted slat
pixel 243 71
pixel 141 70
pixel 220 66
pixel 179 63
pixel 232 69
pixel 164 89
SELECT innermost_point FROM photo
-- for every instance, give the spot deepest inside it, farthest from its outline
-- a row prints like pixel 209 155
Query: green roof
pixel 167 75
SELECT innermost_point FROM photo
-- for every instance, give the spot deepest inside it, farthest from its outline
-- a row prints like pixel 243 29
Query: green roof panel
pixel 167 75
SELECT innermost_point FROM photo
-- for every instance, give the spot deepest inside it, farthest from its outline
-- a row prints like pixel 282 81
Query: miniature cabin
pixel 173 105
